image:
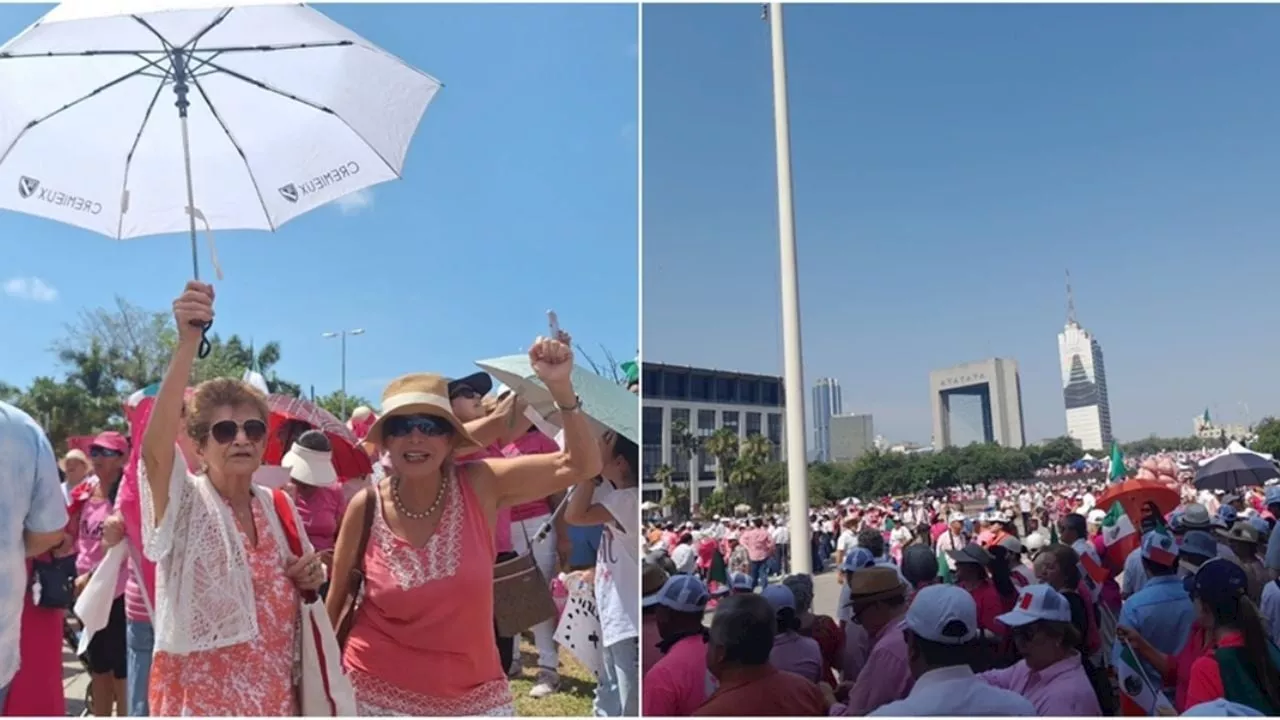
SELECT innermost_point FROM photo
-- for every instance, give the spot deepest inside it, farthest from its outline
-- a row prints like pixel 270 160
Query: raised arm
pixel 191 311
pixel 511 481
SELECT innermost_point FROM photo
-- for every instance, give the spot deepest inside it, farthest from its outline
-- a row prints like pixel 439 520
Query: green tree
pixel 688 446
pixel 723 446
pixel 333 402
pixel 1268 440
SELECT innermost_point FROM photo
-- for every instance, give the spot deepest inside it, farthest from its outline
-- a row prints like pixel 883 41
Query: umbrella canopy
pixel 349 459
pixel 609 405
pixel 283 110
pixel 649 506
pixel 1236 467
pixel 1134 493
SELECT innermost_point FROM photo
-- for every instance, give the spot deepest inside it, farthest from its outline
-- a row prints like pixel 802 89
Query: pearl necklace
pixel 404 510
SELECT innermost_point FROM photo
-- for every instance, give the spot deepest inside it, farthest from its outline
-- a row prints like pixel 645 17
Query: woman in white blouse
pixel 227 589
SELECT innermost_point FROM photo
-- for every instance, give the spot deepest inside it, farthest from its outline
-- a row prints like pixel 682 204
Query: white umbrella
pixel 119 117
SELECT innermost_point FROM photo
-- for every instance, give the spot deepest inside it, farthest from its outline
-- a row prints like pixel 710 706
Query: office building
pixel 826 403
pixel 977 402
pixel 1084 383
pixel 702 400
pixel 851 437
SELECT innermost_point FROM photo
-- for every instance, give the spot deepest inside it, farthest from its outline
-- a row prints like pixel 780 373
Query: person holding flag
pixel 1161 612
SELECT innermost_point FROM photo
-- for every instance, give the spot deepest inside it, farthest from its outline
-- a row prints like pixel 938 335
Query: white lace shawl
pixel 204 587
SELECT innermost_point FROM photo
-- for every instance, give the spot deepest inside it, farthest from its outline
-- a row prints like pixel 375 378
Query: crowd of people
pixel 977 600
pixel 203 563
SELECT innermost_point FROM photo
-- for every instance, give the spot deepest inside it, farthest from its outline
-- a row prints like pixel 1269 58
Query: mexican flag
pixel 1139 696
pixel 1120 537
pixel 1117 462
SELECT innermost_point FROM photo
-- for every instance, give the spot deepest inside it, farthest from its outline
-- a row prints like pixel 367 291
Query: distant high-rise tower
pixel 1084 383
pixel 826 402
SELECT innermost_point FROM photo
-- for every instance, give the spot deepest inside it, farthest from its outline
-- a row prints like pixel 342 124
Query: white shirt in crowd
pixel 956 691
pixel 685 558
pixel 1270 608
pixel 1024 502
pixel 32 502
pixel 846 542
pixel 618 565
pixel 781 535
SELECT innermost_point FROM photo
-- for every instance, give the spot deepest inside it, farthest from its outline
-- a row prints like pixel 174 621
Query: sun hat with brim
pixel 1241 532
pixel 77 455
pixel 1198 543
pixel 876 583
pixel 310 467
pixel 1196 517
pixel 1037 603
pixel 972 554
pixel 420 394
pixel 481 382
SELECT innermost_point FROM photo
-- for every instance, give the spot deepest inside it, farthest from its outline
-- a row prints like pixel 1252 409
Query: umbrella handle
pixel 205 346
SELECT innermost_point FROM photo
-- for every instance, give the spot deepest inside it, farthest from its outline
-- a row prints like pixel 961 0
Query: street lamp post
pixel 793 369
pixel 343 334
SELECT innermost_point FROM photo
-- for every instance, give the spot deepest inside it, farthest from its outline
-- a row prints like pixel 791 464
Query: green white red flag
pixel 1139 695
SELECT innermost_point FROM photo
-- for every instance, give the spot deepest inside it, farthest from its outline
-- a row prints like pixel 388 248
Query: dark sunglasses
pixel 225 431
pixel 464 391
pixel 429 425
pixel 101 452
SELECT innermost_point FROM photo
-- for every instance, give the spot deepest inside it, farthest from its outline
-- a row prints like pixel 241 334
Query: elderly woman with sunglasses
pixel 422 641
pixel 227 588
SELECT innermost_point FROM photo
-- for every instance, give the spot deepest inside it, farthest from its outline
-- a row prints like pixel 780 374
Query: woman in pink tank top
pixel 423 641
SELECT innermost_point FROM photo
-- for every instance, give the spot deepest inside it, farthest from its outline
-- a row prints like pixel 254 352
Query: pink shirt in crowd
pixel 502 526
pixel 759 544
pixel 886 676
pixel 89 548
pixel 321 510
pixel 677 685
pixel 531 443
pixel 1061 689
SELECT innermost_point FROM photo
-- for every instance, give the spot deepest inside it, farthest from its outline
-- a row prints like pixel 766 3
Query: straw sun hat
pixel 420 394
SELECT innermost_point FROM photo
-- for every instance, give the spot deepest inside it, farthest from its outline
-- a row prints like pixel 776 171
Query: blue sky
pixel 950 162
pixel 519 195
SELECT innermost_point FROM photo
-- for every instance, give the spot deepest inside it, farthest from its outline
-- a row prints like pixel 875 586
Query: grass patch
pixel 577 687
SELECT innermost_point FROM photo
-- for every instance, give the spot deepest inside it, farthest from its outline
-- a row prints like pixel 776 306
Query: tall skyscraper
pixel 826 402
pixel 1084 383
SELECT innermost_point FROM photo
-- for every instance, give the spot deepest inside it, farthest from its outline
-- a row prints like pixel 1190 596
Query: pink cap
pixel 111 440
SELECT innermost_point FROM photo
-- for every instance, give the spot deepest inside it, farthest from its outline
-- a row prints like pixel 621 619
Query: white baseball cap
pixel 943 614
pixel 1036 603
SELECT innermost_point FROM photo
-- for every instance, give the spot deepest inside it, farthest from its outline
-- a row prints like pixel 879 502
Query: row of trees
pixel 108 353
pixel 747 475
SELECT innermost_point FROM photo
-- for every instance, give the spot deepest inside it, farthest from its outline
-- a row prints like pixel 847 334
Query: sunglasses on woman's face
pixel 464 392
pixel 429 425
pixel 101 452
pixel 224 432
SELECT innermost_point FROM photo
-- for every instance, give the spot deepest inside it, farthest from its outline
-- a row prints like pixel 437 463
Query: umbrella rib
pixel 32 123
pixel 243 158
pixel 128 161
pixel 278 48
pixel 313 105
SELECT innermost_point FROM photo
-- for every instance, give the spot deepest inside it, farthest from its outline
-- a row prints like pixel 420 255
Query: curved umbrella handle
pixel 205 346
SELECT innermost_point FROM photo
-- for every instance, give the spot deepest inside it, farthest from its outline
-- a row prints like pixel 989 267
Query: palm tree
pixel 688 445
pixel 723 445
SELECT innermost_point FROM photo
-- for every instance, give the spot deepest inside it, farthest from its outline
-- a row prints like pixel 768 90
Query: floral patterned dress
pixel 252 678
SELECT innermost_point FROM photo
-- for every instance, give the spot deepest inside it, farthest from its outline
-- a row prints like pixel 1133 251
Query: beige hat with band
pixel 310 467
pixel 420 394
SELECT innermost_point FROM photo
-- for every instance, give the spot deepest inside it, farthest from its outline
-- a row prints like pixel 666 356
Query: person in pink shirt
pixel 879 598
pixel 314 487
pixel 1051 674
pixel 526 520
pixel 759 544
pixel 107 654
pixel 423 638
pixel 678 684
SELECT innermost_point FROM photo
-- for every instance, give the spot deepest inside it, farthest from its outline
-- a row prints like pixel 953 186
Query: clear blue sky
pixel 519 195
pixel 950 162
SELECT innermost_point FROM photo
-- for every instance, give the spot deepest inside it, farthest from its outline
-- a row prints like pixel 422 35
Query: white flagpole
pixel 793 368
